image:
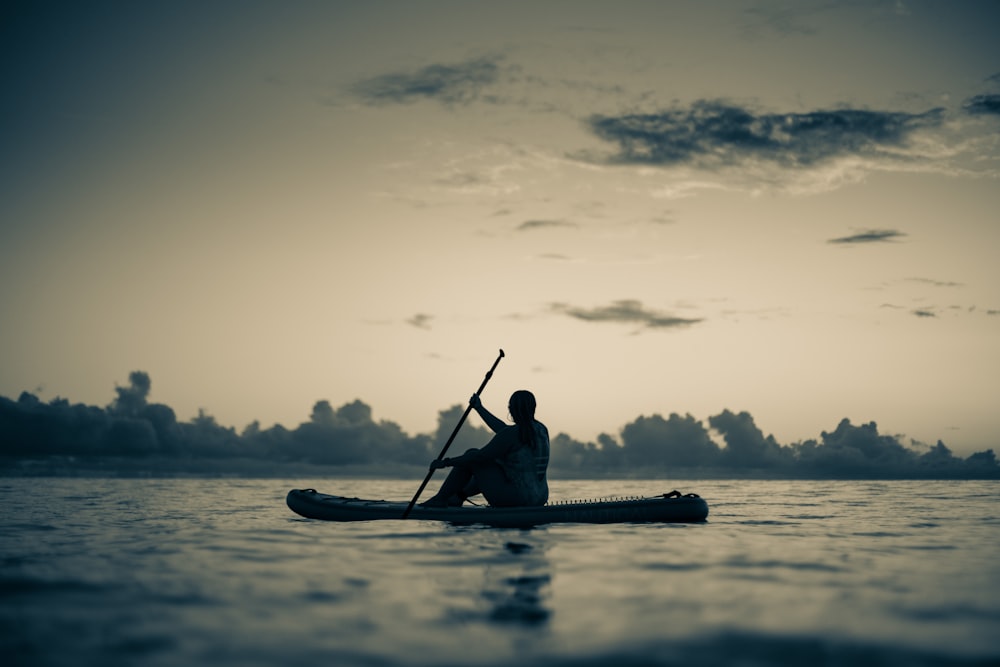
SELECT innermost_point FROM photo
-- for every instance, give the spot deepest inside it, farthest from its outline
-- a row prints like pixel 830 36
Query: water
pixel 220 572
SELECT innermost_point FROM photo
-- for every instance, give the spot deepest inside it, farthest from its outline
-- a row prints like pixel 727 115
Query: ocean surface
pixel 220 573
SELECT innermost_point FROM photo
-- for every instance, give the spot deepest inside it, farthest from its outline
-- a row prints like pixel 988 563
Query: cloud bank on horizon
pixel 134 435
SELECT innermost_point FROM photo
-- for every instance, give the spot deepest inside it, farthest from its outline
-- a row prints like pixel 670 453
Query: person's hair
pixel 522 410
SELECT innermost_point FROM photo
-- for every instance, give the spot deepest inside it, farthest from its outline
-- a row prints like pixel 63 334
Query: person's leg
pixel 449 493
pixel 459 478
pixel 471 488
pixel 495 486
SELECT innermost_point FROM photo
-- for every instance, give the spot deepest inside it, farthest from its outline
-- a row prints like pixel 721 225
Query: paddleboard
pixel 668 507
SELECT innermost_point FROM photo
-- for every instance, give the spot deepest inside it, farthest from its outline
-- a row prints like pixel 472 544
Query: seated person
pixel 510 470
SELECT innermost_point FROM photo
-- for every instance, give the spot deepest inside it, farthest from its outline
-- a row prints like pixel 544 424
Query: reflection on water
pixel 521 598
pixel 507 584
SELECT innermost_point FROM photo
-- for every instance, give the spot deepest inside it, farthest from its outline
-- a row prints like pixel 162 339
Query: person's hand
pixel 437 464
pixel 476 402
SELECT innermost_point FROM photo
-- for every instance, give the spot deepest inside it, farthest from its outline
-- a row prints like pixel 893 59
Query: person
pixel 510 470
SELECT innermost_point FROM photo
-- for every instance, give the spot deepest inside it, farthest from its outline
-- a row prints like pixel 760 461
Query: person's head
pixel 522 407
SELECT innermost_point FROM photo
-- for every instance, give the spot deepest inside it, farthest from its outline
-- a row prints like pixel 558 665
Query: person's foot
pixel 435 501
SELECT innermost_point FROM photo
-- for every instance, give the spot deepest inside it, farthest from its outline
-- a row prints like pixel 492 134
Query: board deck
pixel 671 507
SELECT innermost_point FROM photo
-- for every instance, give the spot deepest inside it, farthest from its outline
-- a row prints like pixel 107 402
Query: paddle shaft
pixel 430 473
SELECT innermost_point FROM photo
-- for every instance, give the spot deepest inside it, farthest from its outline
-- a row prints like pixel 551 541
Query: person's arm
pixel 495 423
pixel 495 449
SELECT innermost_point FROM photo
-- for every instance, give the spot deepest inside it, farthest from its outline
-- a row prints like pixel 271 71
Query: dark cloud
pixel 746 444
pixel 459 83
pixel 930 312
pixel 132 430
pixel 983 104
pixel 529 225
pixel 131 400
pixel 717 134
pixel 676 441
pixel 682 443
pixel 134 436
pixel 626 311
pixel 870 236
pixel 421 320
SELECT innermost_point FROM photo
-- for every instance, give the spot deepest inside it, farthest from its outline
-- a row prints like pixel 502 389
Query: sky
pixel 784 208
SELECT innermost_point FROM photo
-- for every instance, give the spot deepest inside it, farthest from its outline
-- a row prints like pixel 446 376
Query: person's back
pixel 526 467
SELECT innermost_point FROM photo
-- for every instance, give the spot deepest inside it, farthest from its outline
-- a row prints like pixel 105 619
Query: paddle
pixel 430 473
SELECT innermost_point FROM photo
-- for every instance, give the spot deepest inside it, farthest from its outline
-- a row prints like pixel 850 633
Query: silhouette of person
pixel 510 470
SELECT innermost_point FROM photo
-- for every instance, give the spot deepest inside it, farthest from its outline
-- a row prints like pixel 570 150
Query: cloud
pixel 849 452
pixel 935 283
pixel 675 441
pixel 528 225
pixel 454 84
pixel 936 311
pixel 745 443
pixel 712 134
pixel 421 320
pixel 869 236
pixel 626 311
pixel 983 104
pixel 132 400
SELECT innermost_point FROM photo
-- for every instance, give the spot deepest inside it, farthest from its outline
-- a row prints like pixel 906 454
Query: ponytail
pixel 522 410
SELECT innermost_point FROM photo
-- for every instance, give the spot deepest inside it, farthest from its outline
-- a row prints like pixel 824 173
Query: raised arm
pixel 495 423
